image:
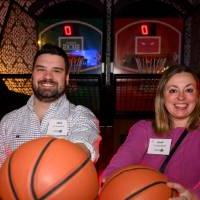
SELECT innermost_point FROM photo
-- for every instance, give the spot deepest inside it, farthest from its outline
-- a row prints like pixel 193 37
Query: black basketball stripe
pixel 10 177
pixel 121 172
pixel 131 169
pixel 65 179
pixel 59 184
pixel 144 188
pixel 10 173
pixel 36 165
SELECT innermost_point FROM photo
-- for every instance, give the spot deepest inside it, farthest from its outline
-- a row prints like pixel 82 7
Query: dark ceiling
pixel 71 10
pixel 121 8
pixel 75 8
pixel 146 9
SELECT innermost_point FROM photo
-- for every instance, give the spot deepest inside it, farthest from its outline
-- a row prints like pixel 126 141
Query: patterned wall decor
pixel 25 4
pixel 19 43
pixel 4 4
pixel 18 47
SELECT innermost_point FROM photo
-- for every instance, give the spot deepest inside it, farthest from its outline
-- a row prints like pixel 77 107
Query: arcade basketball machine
pixel 142 49
pixel 142 53
pixel 81 40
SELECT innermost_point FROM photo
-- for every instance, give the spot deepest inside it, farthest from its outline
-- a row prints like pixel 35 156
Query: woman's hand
pixel 184 194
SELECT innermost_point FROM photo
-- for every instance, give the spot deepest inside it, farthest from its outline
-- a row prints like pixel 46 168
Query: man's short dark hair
pixel 54 50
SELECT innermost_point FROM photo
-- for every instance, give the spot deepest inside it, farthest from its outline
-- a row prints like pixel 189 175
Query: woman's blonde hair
pixel 162 123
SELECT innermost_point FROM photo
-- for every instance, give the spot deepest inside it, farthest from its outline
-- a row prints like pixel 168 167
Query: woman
pixel 177 112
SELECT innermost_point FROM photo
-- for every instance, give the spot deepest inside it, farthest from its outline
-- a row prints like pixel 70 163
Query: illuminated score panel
pixel 144 28
pixel 148 29
pixel 68 30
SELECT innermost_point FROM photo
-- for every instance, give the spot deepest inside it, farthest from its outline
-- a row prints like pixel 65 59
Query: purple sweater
pixel 184 166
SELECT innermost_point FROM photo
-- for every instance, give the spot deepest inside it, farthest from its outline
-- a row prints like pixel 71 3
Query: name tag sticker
pixel 159 146
pixel 57 127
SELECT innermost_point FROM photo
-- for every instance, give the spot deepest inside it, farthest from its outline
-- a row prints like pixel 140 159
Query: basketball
pixel 48 168
pixel 136 182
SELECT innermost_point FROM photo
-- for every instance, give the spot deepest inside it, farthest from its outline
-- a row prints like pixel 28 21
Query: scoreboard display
pixel 81 40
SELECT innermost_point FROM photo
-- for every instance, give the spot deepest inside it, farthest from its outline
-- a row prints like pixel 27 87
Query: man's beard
pixel 47 94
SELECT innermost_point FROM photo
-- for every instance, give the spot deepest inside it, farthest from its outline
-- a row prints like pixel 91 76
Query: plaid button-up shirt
pixel 22 125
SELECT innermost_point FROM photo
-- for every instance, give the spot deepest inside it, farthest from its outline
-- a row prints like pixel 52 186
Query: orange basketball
pixel 138 183
pixel 48 168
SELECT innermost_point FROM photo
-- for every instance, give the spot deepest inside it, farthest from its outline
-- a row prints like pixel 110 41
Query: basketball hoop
pixel 75 63
pixel 150 64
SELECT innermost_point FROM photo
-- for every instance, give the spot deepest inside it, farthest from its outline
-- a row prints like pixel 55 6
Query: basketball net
pixel 150 64
pixel 75 63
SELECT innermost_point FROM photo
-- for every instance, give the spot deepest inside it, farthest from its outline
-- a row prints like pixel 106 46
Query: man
pixel 48 111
